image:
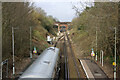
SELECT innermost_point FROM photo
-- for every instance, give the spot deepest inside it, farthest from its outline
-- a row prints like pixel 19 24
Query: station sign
pixel 114 64
pixel 35 50
pixel 92 53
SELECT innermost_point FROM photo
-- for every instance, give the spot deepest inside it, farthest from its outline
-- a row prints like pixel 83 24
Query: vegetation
pixel 21 16
pixel 102 17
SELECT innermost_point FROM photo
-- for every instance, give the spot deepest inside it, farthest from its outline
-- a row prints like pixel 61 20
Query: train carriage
pixel 44 67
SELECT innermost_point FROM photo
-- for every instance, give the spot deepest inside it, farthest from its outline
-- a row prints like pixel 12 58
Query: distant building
pixel 49 40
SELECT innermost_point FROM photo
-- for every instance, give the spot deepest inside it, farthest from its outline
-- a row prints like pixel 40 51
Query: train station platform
pixel 92 70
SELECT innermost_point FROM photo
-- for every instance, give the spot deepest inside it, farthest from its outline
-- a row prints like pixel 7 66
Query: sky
pixel 62 10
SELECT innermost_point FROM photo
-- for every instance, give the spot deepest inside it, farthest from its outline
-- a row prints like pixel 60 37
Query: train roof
pixel 43 66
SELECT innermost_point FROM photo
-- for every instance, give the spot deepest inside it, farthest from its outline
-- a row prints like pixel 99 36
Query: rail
pixel 74 60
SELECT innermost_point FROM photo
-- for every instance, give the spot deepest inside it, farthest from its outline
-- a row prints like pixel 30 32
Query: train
pixel 46 66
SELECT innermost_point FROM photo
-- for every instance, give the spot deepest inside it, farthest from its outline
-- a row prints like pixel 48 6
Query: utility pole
pixel 31 42
pixel 115 56
pixel 96 43
pixel 13 50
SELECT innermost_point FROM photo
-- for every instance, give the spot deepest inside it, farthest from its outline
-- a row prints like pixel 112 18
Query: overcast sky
pixel 62 10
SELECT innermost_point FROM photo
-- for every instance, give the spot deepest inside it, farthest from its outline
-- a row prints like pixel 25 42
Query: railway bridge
pixel 62 26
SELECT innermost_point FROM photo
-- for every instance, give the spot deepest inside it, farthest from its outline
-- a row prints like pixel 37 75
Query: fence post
pixel 1 70
pixel 7 69
pixel 102 58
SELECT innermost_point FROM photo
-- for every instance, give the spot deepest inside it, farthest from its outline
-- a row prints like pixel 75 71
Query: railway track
pixel 64 68
pixel 66 61
pixel 73 57
pixel 69 65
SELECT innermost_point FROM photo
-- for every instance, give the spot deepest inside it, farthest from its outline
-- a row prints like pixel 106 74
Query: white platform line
pixel 84 69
